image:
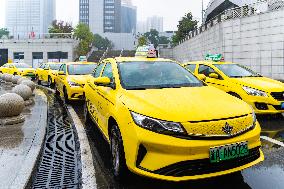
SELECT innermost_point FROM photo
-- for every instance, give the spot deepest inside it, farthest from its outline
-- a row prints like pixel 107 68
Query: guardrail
pixel 239 12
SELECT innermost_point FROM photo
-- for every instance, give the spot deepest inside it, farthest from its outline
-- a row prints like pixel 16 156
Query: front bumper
pixel 174 159
pixel 75 93
pixel 265 105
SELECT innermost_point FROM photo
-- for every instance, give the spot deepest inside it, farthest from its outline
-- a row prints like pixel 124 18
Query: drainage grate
pixel 58 166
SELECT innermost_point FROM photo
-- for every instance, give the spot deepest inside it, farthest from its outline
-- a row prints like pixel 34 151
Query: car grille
pixel 214 129
pixel 278 95
pixel 203 166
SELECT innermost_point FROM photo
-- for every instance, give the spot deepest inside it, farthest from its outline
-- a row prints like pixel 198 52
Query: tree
pixel 164 40
pixel 4 32
pixel 186 24
pixel 60 27
pixel 142 40
pixel 153 37
pixel 102 43
pixel 86 37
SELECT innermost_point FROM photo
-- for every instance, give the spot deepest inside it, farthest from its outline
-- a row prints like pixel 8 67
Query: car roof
pixel 140 59
pixel 79 63
pixel 206 62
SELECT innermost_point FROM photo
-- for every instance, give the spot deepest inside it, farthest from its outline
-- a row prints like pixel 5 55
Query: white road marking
pixel 88 170
pixel 272 140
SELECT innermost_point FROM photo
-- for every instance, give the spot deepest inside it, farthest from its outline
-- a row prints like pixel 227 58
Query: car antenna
pixel 121 53
pixel 104 55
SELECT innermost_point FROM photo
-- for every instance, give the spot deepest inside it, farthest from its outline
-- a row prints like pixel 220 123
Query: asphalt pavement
pixel 268 174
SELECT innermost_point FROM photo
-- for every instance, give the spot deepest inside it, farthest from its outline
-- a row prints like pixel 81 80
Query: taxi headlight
pixel 158 126
pixel 254 92
pixel 73 84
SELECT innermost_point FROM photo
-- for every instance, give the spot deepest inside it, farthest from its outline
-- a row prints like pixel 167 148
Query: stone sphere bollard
pixel 8 78
pixel 25 92
pixel 15 79
pixel 22 79
pixel 29 83
pixel 11 107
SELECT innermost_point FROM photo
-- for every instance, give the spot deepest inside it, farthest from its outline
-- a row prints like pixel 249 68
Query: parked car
pixel 265 95
pixel 71 79
pixel 21 69
pixel 162 122
pixel 47 72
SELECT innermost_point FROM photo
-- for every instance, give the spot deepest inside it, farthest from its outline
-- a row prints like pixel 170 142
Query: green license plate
pixel 227 152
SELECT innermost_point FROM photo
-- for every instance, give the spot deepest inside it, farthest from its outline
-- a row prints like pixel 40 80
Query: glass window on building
pixel 19 57
pixel 58 56
pixel 37 59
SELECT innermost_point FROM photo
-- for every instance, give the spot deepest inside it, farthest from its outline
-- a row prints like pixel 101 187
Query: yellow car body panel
pixel 193 107
pixel 16 69
pixel 47 71
pixel 235 86
pixel 62 82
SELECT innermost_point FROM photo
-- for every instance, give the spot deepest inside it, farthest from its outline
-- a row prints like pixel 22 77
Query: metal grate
pixel 58 166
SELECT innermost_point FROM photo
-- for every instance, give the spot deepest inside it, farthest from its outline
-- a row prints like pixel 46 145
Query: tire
pixel 235 95
pixel 66 100
pixel 49 81
pixel 57 93
pixel 38 80
pixel 15 74
pixel 87 117
pixel 119 167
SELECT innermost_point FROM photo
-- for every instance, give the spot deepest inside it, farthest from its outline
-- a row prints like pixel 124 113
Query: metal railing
pixel 239 12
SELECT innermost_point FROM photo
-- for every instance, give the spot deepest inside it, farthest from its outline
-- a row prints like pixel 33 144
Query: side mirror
pixel 214 75
pixel 104 81
pixel 61 73
pixel 202 77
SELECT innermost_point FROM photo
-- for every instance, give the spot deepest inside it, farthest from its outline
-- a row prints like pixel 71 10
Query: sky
pixel 67 10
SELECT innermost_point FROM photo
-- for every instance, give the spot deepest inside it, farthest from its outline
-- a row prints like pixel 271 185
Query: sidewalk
pixel 20 144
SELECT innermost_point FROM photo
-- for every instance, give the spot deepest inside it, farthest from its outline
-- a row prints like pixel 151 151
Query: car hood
pixel 80 79
pixel 261 83
pixel 185 104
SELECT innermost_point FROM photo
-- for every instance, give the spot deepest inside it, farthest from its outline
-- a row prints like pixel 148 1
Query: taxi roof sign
pixel 148 51
pixel 214 57
pixel 83 59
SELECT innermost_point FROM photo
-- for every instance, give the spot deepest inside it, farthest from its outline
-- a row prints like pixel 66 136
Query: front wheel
pixel 66 98
pixel 119 167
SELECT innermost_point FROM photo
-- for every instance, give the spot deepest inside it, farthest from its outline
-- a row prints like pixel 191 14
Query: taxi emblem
pixel 228 129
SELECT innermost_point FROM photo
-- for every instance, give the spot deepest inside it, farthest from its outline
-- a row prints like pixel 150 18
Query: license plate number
pixel 227 152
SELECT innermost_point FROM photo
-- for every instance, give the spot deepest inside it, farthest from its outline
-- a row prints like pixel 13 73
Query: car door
pixel 93 98
pixel 106 95
pixel 39 71
pixel 216 82
pixel 45 72
pixel 61 78
pixel 11 69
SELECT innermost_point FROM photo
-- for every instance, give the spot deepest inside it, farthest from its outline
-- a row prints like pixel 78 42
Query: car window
pixel 108 71
pixel 62 68
pixel 155 75
pixel 11 66
pixel 206 70
pixel 46 66
pixel 98 70
pixel 191 67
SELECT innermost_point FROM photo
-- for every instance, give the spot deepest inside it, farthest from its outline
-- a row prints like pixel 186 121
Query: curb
pixel 88 171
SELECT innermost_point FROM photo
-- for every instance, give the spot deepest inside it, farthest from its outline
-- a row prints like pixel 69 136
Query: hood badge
pixel 228 129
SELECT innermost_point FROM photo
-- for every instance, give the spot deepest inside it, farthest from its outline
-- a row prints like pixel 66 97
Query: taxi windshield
pixel 54 66
pixel 155 75
pixel 236 71
pixel 81 69
pixel 22 65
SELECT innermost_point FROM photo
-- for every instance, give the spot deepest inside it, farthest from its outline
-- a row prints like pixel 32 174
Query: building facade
pixel 104 17
pixel 128 17
pixel 155 22
pixel 36 51
pixel 29 18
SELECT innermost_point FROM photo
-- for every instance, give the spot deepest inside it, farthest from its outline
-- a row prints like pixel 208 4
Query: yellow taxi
pixel 47 73
pixel 21 69
pixel 71 79
pixel 162 122
pixel 265 95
